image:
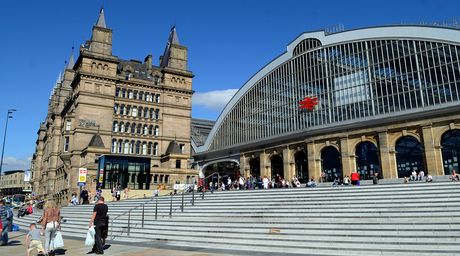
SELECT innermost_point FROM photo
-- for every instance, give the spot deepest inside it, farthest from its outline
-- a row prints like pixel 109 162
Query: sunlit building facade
pixel 387 102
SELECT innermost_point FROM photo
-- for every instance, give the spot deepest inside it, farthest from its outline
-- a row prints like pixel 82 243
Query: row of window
pixel 137 95
pixel 134 111
pixel 135 147
pixel 136 129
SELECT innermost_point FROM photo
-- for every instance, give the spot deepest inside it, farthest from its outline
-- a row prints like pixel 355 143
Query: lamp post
pixel 8 116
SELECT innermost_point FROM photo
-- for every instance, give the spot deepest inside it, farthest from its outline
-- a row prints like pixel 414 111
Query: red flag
pixel 308 103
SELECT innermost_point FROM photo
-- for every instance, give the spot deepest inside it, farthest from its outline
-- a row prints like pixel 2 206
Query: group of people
pixel 251 182
pixel 420 176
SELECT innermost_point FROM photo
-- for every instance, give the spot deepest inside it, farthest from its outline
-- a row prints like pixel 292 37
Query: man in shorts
pixel 33 241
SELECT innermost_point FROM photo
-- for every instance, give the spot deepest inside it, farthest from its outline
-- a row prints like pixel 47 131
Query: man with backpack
pixel 5 222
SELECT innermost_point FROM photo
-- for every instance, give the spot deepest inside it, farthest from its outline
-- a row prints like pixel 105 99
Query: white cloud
pixel 214 100
pixel 13 163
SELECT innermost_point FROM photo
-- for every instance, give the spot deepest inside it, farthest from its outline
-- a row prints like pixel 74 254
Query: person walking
pixel 51 222
pixel 84 195
pixel 99 219
pixel 4 223
pixel 355 178
pixel 375 179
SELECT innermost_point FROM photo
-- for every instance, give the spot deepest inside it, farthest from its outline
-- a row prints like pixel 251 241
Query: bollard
pixel 182 206
pixel 143 205
pixel 129 221
pixel 170 207
pixel 156 208
pixel 193 196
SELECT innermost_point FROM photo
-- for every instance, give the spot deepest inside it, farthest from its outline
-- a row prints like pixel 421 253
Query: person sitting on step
pixel 421 175
pixel 413 176
pixel 454 176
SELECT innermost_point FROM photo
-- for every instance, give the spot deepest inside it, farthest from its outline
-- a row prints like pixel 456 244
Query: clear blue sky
pixel 228 42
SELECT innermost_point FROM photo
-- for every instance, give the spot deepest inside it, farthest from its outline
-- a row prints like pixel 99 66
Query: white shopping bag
pixel 90 236
pixel 58 242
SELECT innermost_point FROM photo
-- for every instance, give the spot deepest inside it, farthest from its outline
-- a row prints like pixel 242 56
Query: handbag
pixel 90 236
pixel 58 242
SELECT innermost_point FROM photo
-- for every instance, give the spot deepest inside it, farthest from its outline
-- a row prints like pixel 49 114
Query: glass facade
pixel 128 172
pixel 355 80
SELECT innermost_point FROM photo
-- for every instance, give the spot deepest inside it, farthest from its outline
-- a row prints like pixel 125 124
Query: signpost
pixel 82 176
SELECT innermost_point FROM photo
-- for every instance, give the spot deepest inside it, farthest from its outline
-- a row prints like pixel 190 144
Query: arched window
pixel 133 128
pixel 144 148
pixel 146 113
pixel 147 96
pixel 367 160
pixel 151 130
pixel 122 109
pixel 331 163
pixel 126 147
pixel 157 130
pixel 134 112
pixel 131 147
pixel 120 146
pixel 127 125
pixel 123 92
pixel 141 95
pixel 157 114
pixel 146 130
pixel 130 94
pixel 117 92
pixel 128 110
pixel 152 113
pixel 136 95
pixel 450 144
pixel 122 127
pixel 116 107
pixel 114 146
pixel 277 166
pixel 115 126
pixel 138 147
pixel 301 166
pixel 155 149
pixel 141 112
pixel 149 149
pixel 157 98
pixel 409 156
pixel 139 129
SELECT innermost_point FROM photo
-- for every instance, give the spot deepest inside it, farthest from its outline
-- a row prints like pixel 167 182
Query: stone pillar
pixel 347 158
pixel 314 161
pixel 433 156
pixel 287 165
pixel 244 165
pixel 387 157
pixel 264 165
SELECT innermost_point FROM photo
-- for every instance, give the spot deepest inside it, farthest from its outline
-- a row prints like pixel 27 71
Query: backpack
pixel 9 213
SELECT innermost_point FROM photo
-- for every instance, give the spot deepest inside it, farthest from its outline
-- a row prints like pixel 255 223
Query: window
pixel 146 130
pixel 182 148
pixel 126 147
pixel 134 113
pixel 138 147
pixel 66 143
pixel 115 126
pixel 130 94
pixel 157 130
pixel 177 164
pixel 155 149
pixel 144 148
pixel 157 114
pixel 122 127
pixel 114 146
pixel 68 125
pixel 157 98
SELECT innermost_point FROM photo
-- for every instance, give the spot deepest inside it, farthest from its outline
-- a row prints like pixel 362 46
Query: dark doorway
pixel 301 166
pixel 254 165
pixel 367 160
pixel 331 163
pixel 277 166
pixel 409 156
pixel 450 144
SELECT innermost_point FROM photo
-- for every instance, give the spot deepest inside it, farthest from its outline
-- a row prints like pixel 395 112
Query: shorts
pixel 35 244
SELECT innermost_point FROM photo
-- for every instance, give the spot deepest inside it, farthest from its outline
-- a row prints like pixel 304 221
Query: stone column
pixel 287 166
pixel 346 157
pixel 387 157
pixel 263 164
pixel 314 161
pixel 433 156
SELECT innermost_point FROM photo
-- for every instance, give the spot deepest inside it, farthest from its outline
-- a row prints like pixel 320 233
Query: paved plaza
pixel 17 246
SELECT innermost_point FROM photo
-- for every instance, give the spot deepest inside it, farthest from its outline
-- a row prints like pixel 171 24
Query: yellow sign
pixel 82 174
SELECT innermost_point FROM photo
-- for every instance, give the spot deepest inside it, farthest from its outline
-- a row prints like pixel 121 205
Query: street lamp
pixel 8 116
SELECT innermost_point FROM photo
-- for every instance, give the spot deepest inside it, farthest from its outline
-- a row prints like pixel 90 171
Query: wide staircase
pixel 392 219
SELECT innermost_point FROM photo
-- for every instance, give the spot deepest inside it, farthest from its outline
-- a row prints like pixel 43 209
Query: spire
pixel 71 61
pixel 173 39
pixel 101 20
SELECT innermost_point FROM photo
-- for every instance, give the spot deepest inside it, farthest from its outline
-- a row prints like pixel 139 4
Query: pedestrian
pixel 51 222
pixel 84 196
pixel 33 240
pixel 4 222
pixel 355 178
pixel 99 219
pixel 375 179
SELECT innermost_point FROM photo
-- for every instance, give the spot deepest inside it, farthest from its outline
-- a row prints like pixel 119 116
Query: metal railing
pixel 183 204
